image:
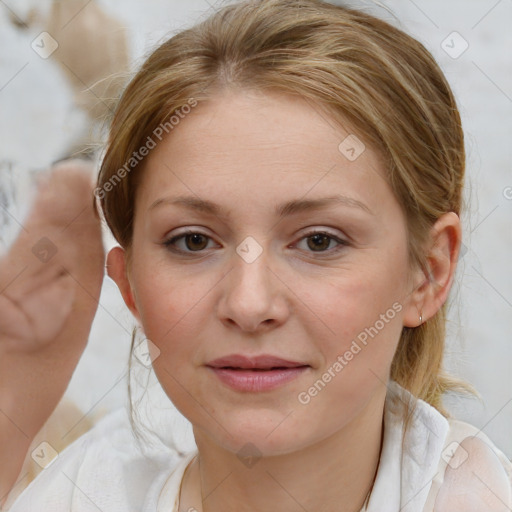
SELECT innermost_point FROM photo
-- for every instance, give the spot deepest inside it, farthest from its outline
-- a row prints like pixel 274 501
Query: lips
pixel 261 363
pixel 257 373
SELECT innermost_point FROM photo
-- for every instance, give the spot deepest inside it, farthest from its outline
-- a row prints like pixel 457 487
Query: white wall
pixel 38 122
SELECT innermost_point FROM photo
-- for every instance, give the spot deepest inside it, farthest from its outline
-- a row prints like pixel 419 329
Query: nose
pixel 254 297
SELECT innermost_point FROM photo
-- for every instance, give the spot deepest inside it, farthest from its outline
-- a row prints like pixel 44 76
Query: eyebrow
pixel 289 208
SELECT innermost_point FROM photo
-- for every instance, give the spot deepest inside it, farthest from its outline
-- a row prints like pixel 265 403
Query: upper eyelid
pixel 311 232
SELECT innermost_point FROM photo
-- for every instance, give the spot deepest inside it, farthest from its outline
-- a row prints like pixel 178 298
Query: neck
pixel 338 470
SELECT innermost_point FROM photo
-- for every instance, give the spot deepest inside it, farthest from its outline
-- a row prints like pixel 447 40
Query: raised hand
pixel 50 282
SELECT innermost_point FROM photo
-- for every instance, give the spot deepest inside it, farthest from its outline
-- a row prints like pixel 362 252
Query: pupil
pixel 195 239
pixel 319 238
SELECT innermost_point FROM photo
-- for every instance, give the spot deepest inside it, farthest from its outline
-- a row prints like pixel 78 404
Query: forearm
pixel 31 386
pixel 14 445
pixel 18 425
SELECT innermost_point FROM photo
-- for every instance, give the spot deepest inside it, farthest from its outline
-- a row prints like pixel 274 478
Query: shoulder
pixel 105 468
pixel 446 465
pixel 477 476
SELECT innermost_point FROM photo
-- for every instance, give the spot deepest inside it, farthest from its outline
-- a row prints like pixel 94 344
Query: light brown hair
pixel 359 70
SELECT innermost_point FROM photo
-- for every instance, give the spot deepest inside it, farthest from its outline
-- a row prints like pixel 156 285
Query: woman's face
pixel 255 177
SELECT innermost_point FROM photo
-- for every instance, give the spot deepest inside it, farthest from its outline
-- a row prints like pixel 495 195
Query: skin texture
pixel 248 153
pixel 49 292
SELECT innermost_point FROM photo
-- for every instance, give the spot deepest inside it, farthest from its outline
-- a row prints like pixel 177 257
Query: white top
pixel 106 471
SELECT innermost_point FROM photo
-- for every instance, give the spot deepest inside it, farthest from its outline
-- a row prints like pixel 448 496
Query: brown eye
pixel 196 242
pixel 188 242
pixel 319 242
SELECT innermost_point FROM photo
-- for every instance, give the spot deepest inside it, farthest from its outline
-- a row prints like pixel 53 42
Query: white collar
pixel 404 476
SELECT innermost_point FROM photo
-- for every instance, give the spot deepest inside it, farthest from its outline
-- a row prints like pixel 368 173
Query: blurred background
pixel 62 64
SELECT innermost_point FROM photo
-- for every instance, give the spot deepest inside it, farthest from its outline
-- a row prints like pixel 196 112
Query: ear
pixel 432 285
pixel 117 270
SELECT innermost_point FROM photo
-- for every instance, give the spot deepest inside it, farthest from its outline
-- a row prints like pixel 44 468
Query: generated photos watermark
pixel 151 142
pixel 357 345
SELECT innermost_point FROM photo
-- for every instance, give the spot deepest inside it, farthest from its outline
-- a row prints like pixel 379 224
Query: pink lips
pixel 254 374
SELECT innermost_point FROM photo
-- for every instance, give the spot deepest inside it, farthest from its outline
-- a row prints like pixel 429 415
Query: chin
pixel 250 435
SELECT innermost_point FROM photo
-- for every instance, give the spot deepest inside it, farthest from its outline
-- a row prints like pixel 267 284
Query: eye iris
pixel 196 238
pixel 320 241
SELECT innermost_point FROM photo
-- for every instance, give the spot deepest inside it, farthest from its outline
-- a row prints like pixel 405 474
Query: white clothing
pixel 105 470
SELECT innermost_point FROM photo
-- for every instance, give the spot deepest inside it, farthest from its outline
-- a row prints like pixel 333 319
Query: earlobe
pixel 431 293
pixel 117 270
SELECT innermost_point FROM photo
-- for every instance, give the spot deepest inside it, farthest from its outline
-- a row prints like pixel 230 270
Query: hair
pixel 357 68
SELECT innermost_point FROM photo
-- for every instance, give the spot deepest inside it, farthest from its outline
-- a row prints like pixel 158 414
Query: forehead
pixel 263 146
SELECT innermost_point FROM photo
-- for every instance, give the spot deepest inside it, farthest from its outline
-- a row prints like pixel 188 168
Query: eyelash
pixel 170 242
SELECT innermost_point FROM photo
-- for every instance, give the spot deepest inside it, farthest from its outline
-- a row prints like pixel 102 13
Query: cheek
pixel 168 313
pixel 364 317
pixel 361 312
pixel 165 297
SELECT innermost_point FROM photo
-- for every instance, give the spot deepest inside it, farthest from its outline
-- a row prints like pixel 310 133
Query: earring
pixel 421 319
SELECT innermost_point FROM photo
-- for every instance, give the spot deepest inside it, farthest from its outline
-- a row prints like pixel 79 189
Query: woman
pixel 284 181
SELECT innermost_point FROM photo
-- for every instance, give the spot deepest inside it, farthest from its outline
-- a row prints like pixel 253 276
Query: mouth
pixel 257 369
pixel 256 374
pixel 259 363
